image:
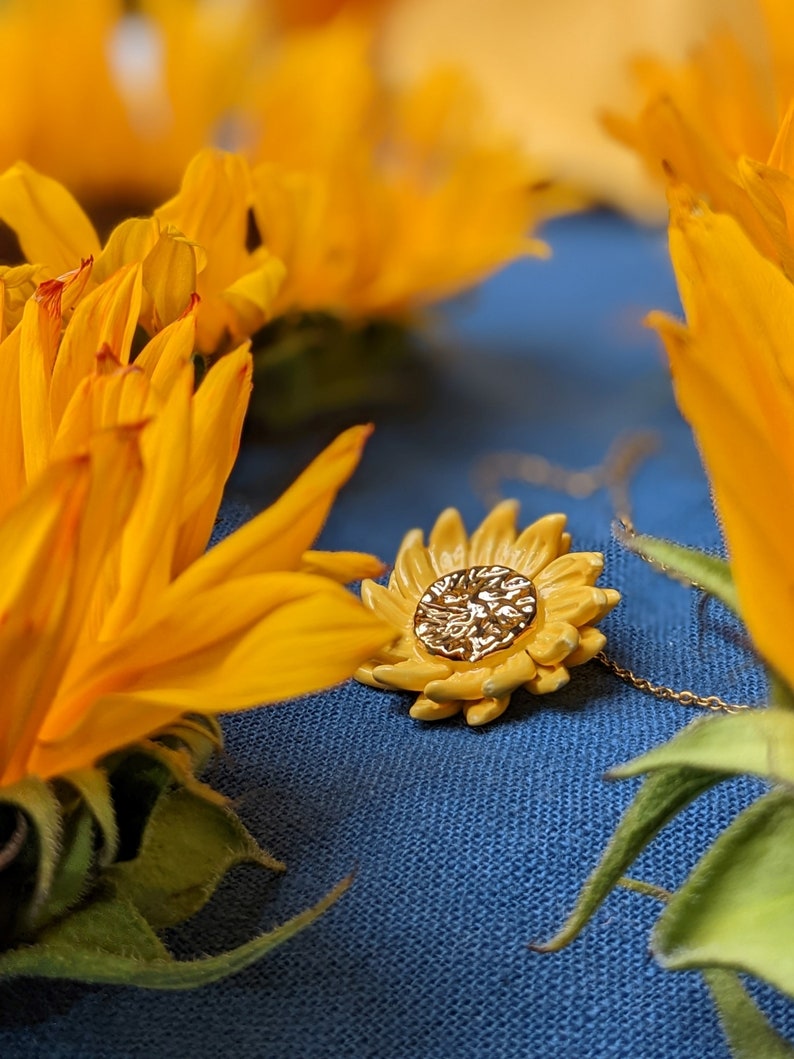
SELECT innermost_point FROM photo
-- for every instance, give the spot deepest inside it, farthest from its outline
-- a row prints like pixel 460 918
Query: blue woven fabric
pixel 467 844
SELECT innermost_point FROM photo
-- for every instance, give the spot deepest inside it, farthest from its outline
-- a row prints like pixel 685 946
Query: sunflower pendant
pixel 479 617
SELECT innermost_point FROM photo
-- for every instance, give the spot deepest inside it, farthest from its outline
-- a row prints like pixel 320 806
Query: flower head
pixel 717 123
pixel 388 199
pixel 482 616
pixel 195 242
pixel 156 78
pixel 113 619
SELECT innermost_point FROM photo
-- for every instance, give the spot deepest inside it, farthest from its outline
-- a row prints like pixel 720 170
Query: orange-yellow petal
pixel 51 227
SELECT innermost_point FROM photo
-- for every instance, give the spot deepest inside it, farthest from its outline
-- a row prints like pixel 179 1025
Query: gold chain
pixel 614 475
pixel 661 691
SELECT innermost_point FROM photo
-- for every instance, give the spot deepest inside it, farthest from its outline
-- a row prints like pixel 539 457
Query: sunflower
pixel 480 617
pixel 111 480
pixel 195 242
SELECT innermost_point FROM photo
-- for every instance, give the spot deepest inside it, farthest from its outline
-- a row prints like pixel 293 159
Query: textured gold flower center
pixel 471 613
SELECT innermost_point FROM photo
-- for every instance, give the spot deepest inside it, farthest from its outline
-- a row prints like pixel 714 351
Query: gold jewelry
pixel 478 617
pixel 613 474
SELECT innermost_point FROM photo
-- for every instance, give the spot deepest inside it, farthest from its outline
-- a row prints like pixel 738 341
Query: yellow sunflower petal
pixel 17 285
pixel 548 679
pixel 553 643
pixel 579 605
pixel 12 465
pixel 413 569
pixel 365 675
pixel 164 356
pixel 492 541
pixel 37 433
pixel 410 675
pixel 219 408
pixel 576 568
pixel 253 295
pixel 425 709
pixel 257 640
pixel 391 606
pixel 517 670
pixel 467 684
pixel 105 318
pixel 72 516
pixel 129 241
pixel 343 567
pixel 51 227
pixel 485 711
pixel 147 553
pixel 735 355
pixel 591 641
pixel 34 593
pixel 448 542
pixel 538 544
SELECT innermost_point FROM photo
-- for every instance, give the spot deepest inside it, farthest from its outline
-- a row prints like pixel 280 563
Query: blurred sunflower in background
pixel 346 203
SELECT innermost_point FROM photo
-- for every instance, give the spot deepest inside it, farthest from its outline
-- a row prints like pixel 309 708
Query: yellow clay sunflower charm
pixel 480 617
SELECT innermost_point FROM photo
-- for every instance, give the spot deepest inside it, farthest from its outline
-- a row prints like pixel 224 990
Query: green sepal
pixel 661 797
pixel 736 909
pixel 188 846
pixel 34 869
pixel 108 941
pixel 746 1028
pixel 760 742
pixel 316 367
pixel 93 787
pixel 179 763
pixel 74 871
pixel 694 567
pixel 198 734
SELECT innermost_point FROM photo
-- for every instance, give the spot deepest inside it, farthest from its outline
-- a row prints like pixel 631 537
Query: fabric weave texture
pixel 467 844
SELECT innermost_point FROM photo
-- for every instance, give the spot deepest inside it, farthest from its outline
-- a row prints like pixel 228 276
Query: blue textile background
pixel 467 844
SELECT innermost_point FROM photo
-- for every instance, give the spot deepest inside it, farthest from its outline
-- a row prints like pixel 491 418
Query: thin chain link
pixel 661 691
pixel 614 475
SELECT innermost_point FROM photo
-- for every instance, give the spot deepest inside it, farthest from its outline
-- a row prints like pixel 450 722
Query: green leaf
pixel 736 909
pixel 188 846
pixel 760 742
pixel 746 1029
pixel 697 568
pixel 661 797
pixel 93 787
pixel 108 941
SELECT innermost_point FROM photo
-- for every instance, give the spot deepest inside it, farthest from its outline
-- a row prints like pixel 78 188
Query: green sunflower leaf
pixel 746 1028
pixel 661 797
pixel 108 941
pixel 188 846
pixel 736 909
pixel 760 742
pixel 704 571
